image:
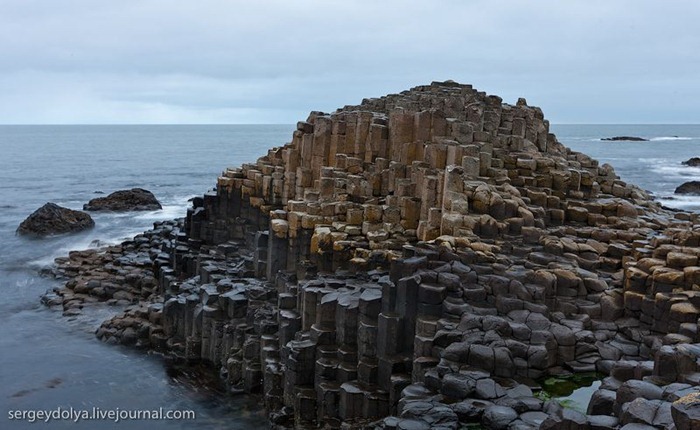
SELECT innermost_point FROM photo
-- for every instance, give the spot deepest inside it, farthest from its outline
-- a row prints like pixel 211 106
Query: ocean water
pixel 48 361
pixel 654 165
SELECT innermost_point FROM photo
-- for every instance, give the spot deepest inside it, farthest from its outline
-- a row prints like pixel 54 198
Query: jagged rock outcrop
pixel 420 261
pixel 135 199
pixel 52 219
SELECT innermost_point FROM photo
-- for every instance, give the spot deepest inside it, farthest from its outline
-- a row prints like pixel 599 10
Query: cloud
pixel 212 61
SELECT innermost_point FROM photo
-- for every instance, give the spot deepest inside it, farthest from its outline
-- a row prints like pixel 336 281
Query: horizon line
pixel 293 123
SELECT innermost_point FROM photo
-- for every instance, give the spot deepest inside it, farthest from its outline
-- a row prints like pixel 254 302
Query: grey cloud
pixel 273 61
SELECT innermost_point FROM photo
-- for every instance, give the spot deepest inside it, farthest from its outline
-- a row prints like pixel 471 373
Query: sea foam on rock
pixel 419 261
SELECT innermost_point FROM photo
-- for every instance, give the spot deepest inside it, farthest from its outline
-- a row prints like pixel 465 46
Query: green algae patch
pixel 571 391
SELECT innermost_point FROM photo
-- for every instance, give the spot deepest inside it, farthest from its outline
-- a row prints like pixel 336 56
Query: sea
pixel 54 364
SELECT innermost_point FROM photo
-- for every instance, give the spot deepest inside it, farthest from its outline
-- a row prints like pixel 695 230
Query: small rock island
pixel 421 260
pixel 692 162
pixel 135 199
pixel 689 188
pixel 52 219
pixel 625 139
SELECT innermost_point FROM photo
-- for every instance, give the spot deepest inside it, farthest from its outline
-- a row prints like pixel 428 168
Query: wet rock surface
pixel 135 199
pixel 418 261
pixel 52 219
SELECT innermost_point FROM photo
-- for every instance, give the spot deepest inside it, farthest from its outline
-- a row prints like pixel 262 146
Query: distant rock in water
pixel 53 219
pixel 692 162
pixel 135 199
pixel 691 188
pixel 625 138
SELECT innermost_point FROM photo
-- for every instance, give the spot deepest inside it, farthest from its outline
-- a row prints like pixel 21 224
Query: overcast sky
pixel 225 61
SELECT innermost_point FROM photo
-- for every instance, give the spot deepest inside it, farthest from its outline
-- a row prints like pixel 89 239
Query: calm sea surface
pixel 47 361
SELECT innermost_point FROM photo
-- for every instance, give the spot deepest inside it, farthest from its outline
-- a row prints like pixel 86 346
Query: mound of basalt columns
pixel 421 260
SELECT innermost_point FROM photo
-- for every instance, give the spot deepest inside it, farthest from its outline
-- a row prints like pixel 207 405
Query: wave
pixel 662 138
pixel 167 213
pixel 685 202
pixel 677 169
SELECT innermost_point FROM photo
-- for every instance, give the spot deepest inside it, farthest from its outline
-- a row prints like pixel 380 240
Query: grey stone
pixel 498 417
pixel 458 386
pixel 602 402
pixel 686 412
pixel 471 410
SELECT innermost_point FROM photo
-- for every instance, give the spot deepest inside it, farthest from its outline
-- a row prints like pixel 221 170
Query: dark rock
pixel 686 412
pixel 602 422
pixel 639 411
pixel 129 336
pixel 637 426
pixel 458 386
pixel 52 219
pixel 692 162
pixel 135 199
pixel 625 139
pixel 601 402
pixel 498 417
pixel 691 187
pixel 634 389
pixel 565 419
pixel 470 410
pixel 534 418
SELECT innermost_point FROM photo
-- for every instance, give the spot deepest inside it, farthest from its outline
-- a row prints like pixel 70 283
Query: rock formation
pixel 691 188
pixel 692 162
pixel 135 199
pixel 420 261
pixel 52 219
pixel 625 139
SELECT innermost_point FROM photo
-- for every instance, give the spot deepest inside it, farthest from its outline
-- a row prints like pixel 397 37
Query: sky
pixel 256 62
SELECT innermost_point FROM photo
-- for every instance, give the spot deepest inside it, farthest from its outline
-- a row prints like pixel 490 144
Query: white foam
pixel 684 202
pixel 662 138
pixel 168 212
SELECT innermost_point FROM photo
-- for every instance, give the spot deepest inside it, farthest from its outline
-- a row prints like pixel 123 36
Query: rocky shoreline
pixel 419 261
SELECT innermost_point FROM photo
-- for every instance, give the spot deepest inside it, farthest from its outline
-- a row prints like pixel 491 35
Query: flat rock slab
pixel 135 199
pixel 52 219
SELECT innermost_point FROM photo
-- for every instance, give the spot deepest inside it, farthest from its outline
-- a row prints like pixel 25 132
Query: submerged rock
pixel 691 187
pixel 52 219
pixel 625 139
pixel 135 199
